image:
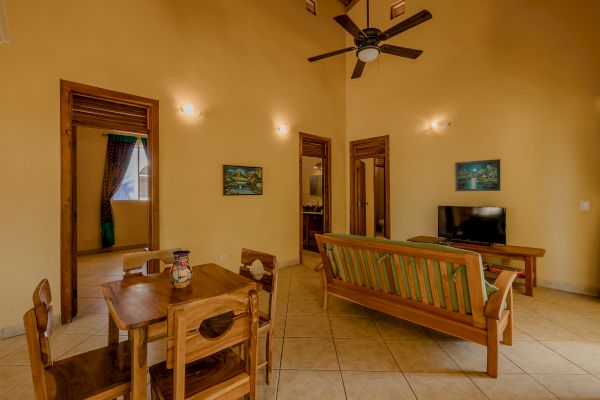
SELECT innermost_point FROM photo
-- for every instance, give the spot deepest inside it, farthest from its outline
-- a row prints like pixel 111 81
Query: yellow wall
pixel 520 81
pixel 243 64
pixel 130 217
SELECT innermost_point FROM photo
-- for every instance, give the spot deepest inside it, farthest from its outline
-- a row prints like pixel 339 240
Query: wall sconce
pixel 440 125
pixel 283 129
pixel 4 32
pixel 190 110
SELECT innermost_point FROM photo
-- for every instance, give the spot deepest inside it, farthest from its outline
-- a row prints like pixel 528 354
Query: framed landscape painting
pixel 242 181
pixel 478 175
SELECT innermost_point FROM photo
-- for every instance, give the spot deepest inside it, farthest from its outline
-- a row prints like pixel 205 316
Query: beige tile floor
pixel 350 352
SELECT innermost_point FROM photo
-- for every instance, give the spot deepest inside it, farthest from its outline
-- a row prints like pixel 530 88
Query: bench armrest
pixel 493 308
pixel 319 267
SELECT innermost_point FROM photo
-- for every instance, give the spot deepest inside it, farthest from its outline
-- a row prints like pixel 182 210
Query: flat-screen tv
pixel 472 224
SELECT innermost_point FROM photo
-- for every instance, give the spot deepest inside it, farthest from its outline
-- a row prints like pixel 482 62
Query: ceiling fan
pixel 367 40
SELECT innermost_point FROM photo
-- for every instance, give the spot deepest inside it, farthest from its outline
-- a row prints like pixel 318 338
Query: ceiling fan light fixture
pixel 368 53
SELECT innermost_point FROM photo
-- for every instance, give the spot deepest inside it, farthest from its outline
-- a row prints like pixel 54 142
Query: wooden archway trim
pixel 117 111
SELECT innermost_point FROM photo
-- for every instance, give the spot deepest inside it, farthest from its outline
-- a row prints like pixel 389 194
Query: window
pixel 135 182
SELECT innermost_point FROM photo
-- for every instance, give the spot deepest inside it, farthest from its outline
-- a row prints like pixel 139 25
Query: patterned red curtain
pixel 118 154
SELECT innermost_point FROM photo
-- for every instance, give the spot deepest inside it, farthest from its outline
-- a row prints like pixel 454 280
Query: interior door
pixel 361 201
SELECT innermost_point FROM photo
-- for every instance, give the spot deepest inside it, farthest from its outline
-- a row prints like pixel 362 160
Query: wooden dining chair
pixel 200 362
pixel 103 373
pixel 133 263
pixel 268 282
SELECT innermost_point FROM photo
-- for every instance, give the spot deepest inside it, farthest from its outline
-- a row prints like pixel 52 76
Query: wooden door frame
pixel 68 180
pixel 326 184
pixel 375 147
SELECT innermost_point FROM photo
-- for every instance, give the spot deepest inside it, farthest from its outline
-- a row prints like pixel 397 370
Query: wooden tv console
pixel 526 254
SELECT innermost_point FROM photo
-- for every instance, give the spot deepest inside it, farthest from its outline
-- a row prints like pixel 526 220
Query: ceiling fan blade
pixel 331 53
pixel 400 51
pixel 408 23
pixel 358 69
pixel 349 25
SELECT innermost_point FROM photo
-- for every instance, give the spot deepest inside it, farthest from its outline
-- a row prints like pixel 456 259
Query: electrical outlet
pixel 584 205
pixel 224 257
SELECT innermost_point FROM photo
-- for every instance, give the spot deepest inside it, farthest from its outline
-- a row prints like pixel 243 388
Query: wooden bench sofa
pixel 439 287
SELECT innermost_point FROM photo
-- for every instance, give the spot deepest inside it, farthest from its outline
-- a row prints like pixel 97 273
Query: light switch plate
pixel 584 205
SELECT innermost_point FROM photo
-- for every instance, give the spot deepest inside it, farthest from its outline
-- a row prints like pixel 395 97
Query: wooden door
pixel 361 201
pixel 377 148
pixel 319 147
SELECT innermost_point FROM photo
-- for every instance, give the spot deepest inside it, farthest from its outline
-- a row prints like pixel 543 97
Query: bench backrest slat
pixel 447 279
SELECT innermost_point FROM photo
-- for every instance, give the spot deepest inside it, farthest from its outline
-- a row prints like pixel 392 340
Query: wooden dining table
pixel 139 305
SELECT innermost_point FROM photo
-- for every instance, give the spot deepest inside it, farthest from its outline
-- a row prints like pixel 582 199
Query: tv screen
pixel 473 224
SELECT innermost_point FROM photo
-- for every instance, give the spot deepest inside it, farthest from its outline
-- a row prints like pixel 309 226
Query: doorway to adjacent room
pixel 130 124
pixel 315 190
pixel 370 187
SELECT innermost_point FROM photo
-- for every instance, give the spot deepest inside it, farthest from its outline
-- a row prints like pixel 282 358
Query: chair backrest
pixel 446 279
pixel 133 263
pixel 39 325
pixel 187 341
pixel 267 280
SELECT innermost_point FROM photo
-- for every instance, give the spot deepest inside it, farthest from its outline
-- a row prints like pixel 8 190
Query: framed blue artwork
pixel 478 175
pixel 240 181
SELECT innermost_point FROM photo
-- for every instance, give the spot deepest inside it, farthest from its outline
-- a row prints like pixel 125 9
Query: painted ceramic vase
pixel 181 272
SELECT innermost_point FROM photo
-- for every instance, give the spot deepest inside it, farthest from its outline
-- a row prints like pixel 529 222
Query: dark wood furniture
pixel 200 362
pixel 435 286
pixel 312 224
pixel 103 373
pixel 268 282
pixel 140 303
pixel 528 255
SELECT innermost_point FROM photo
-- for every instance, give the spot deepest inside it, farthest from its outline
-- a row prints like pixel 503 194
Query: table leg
pixel 113 331
pixel 139 364
pixel 529 272
pixel 534 260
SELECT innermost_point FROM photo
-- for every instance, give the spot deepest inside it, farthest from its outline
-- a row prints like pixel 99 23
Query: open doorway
pixel 105 130
pixel 315 190
pixel 111 221
pixel 369 183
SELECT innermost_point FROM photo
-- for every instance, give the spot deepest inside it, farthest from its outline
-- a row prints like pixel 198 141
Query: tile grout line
pixel 337 358
pixel 560 355
pixel 412 390
pixel 283 336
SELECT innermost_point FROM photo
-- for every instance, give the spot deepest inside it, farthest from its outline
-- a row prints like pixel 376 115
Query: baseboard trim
pixel 111 249
pixel 570 287
pixel 19 329
pixel 288 263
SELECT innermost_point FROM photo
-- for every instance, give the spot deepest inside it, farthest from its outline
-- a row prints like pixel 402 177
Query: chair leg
pixel 269 358
pixel 493 344
pixel 153 394
pixel 325 298
pixel 126 396
pixel 508 330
